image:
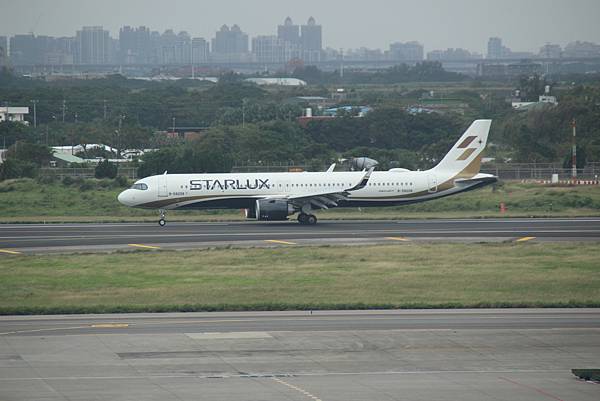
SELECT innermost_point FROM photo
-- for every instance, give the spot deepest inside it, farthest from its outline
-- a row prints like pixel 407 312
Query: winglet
pixel 331 168
pixel 363 182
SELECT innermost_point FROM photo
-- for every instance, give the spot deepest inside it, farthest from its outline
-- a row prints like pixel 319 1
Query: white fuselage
pixel 172 191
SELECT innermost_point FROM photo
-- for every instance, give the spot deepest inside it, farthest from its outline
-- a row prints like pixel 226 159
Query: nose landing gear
pixel 162 222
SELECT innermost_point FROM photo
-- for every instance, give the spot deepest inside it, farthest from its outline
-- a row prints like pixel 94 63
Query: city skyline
pixel 436 24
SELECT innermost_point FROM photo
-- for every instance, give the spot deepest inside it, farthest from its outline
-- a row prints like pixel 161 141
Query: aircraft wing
pixel 327 199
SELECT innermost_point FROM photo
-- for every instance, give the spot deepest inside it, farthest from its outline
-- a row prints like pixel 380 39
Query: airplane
pixel 276 196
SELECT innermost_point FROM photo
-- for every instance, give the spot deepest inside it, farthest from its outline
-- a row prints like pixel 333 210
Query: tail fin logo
pixel 465 155
pixel 467 142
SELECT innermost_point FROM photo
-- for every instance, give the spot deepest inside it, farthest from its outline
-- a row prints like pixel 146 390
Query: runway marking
pixel 10 252
pixel 275 241
pixel 542 392
pixel 301 233
pixel 7 333
pixel 109 325
pixel 298 389
pixel 397 239
pixel 278 375
pixel 144 246
pixel 524 239
pixel 234 335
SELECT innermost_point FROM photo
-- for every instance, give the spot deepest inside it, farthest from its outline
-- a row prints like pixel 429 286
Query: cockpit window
pixel 141 186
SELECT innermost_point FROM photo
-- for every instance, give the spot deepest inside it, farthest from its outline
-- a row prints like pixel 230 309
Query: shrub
pixel 68 181
pixel 46 179
pixel 105 169
pixel 121 182
pixel 87 185
pixel 13 168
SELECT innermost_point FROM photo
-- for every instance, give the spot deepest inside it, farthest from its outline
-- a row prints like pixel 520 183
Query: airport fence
pixel 505 171
pixel 535 171
pixel 83 172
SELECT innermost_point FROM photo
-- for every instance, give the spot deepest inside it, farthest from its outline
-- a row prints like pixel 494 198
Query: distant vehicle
pixel 276 196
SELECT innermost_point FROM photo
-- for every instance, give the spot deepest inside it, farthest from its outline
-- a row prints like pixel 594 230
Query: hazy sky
pixel 438 24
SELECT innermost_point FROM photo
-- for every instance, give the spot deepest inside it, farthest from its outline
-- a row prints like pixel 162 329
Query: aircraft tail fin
pixel 464 159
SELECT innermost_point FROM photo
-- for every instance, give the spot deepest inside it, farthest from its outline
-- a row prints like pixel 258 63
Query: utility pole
pixel 173 125
pixel 121 118
pixel 243 112
pixel 34 113
pixel 64 110
pixel 342 63
pixel 574 147
pixel 192 59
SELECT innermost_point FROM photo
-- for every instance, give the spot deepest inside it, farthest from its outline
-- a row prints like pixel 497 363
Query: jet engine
pixel 273 209
pixel 362 163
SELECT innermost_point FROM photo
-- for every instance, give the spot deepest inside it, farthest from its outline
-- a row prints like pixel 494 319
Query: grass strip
pixel 402 275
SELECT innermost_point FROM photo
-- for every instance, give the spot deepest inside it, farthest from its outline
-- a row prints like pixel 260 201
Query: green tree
pixel 106 169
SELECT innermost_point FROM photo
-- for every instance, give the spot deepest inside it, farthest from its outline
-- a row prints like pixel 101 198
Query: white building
pixel 277 81
pixel 15 114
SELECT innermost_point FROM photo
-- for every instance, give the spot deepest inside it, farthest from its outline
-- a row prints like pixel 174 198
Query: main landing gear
pixel 162 222
pixel 308 219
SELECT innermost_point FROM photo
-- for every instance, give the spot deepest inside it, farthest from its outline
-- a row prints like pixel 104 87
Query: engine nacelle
pixel 273 209
pixel 363 163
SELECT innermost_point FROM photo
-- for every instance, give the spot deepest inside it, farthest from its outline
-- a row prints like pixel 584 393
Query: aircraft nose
pixel 125 198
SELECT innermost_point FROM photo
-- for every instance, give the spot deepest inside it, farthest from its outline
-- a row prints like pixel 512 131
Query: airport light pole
pixel 244 100
pixel 574 150
pixel 34 113
pixel 121 118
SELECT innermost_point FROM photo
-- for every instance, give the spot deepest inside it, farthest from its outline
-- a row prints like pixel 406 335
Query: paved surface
pixel 349 355
pixel 36 238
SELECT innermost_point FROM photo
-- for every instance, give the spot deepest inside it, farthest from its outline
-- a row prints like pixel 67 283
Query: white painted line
pixel 245 335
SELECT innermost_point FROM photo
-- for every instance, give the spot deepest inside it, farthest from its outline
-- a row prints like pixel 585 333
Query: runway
pixel 47 238
pixel 326 355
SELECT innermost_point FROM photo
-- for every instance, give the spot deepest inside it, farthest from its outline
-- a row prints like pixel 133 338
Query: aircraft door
pixel 432 183
pixel 162 186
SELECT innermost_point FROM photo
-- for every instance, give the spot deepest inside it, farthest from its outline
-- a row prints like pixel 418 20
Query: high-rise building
pixel 451 55
pixel 174 48
pixel 3 51
pixel 230 41
pixel 134 45
pixel 95 45
pixel 409 51
pixel 495 48
pixel 25 50
pixel 4 45
pixel 200 51
pixel 230 45
pixel 582 49
pixel 550 51
pixel 288 32
pixel 269 49
pixel 312 41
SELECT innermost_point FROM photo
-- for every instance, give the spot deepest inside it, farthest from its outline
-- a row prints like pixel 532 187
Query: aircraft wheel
pixel 311 219
pixel 162 222
pixel 302 218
